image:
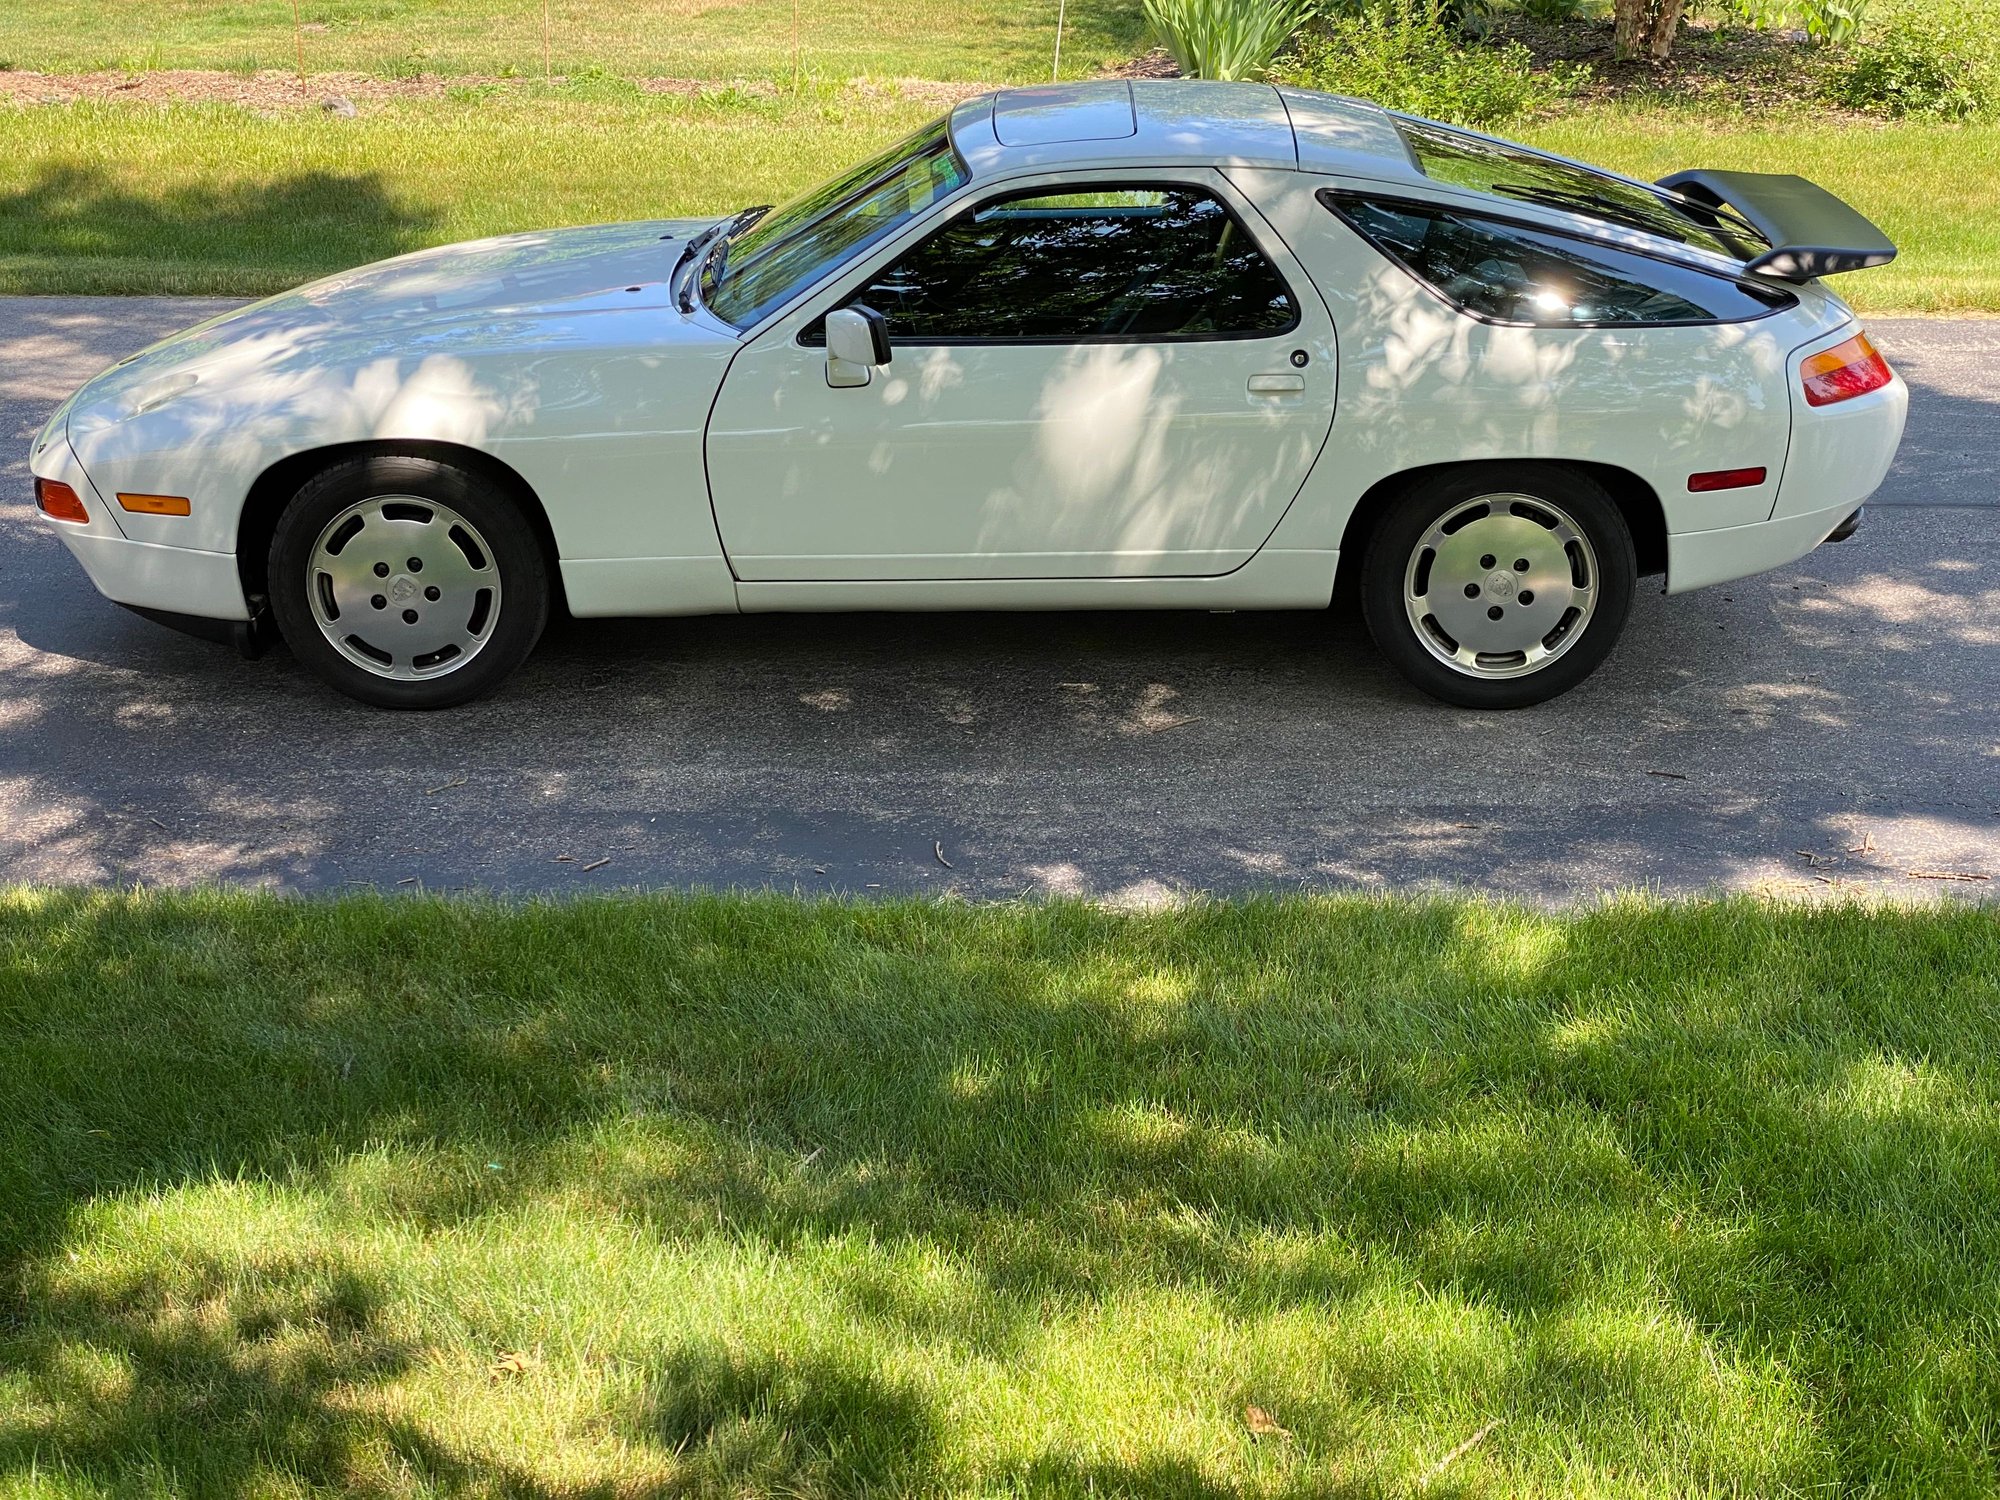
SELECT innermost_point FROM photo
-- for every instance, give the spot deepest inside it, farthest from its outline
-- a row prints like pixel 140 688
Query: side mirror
pixel 857 339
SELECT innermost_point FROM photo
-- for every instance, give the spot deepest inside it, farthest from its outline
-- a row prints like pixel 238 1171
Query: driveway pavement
pixel 1831 724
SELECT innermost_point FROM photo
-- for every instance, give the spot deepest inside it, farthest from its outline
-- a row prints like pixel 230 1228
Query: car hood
pixel 484 293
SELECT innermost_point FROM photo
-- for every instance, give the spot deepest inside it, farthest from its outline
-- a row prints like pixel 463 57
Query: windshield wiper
pixel 718 255
pixel 683 297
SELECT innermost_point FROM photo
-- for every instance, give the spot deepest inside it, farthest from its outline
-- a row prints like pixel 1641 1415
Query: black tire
pixel 1390 560
pixel 516 552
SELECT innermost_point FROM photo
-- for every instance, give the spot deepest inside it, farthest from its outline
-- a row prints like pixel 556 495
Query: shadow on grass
pixel 285 229
pixel 1774 1131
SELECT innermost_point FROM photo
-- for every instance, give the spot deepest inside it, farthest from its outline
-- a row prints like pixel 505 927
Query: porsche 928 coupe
pixel 1115 345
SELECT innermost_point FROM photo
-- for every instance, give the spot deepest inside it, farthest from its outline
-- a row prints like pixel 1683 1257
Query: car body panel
pixel 1421 383
pixel 565 357
pixel 540 350
pixel 1020 460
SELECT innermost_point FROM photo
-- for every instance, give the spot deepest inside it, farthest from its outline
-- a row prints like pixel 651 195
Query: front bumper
pixel 143 575
pixel 168 580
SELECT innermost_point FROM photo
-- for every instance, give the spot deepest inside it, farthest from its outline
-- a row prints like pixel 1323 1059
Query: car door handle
pixel 1276 385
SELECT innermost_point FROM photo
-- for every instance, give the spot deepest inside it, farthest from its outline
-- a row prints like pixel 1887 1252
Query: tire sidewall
pixel 1403 527
pixel 516 549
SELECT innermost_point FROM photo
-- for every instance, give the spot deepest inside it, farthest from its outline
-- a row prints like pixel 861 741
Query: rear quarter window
pixel 1509 272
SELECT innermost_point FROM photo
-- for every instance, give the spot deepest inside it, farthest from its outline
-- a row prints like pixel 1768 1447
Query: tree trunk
pixel 1645 28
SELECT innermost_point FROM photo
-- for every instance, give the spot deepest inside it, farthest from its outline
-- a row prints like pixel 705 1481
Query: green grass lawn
pixel 1002 40
pixel 215 199
pixel 777 1198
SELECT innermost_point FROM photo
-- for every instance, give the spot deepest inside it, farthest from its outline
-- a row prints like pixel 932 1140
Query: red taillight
pixel 1725 479
pixel 1844 371
pixel 58 501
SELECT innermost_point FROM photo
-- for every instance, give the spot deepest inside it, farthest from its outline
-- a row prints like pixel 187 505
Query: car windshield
pixel 755 268
pixel 1489 166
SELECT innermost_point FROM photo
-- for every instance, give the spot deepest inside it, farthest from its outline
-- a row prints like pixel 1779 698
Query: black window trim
pixel 1332 199
pixel 813 335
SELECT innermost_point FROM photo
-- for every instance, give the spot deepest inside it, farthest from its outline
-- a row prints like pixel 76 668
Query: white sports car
pixel 1103 346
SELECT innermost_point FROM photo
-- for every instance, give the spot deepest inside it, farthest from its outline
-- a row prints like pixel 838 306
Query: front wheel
pixel 1499 587
pixel 407 583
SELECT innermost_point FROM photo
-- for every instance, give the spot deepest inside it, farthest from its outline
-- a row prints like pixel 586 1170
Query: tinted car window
pixel 756 268
pixel 1517 274
pixel 1489 166
pixel 1127 263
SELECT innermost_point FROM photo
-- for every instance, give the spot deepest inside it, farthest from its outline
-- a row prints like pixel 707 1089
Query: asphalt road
pixel 1833 724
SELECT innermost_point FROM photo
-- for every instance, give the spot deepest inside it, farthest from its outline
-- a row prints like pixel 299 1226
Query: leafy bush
pixel 1411 60
pixel 1834 22
pixel 1914 70
pixel 1226 38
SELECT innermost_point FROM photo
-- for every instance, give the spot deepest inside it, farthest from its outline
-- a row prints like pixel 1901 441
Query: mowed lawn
pixel 1002 40
pixel 742 1196
pixel 215 199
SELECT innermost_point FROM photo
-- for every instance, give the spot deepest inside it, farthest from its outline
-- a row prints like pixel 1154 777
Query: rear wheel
pixel 1499 587
pixel 407 583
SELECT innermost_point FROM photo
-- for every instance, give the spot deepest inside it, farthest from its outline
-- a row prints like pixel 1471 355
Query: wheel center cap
pixel 403 588
pixel 1501 584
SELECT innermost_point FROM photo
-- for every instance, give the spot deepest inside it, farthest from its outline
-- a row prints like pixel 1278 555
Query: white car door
pixel 1114 377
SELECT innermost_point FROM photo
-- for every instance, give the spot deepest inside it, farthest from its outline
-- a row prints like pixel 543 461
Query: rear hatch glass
pixel 1505 171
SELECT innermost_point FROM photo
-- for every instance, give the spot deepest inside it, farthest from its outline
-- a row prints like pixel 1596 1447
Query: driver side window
pixel 1110 265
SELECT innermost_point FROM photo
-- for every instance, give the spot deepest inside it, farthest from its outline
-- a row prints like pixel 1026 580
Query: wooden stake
pixel 1055 73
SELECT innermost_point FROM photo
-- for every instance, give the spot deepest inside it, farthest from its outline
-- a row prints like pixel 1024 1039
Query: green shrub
pixel 1226 38
pixel 1909 69
pixel 1834 22
pixel 1412 60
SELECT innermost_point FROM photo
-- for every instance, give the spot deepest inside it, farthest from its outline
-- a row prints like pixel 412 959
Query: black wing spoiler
pixel 1812 233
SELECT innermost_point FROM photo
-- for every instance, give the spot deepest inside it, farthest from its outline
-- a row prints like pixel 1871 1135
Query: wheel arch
pixel 274 488
pixel 1636 500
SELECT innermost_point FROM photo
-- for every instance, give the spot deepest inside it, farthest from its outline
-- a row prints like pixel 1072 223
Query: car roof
pixel 1179 122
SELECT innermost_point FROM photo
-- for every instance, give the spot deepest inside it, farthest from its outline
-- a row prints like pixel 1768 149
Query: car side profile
pixel 1117 345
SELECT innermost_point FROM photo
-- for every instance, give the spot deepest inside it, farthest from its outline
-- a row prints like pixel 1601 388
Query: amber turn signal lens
pixel 59 502
pixel 1844 372
pixel 1724 479
pixel 155 505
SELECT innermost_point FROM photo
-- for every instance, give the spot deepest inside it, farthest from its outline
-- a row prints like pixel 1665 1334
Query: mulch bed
pixel 1752 70
pixel 274 91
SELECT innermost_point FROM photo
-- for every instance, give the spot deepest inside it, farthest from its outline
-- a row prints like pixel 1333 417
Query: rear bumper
pixel 1839 456
pixel 1696 559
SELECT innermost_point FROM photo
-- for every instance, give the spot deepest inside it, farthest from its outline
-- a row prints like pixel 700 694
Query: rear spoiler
pixel 1812 233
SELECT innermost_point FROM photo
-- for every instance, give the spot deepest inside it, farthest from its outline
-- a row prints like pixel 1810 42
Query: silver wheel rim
pixel 1501 586
pixel 403 587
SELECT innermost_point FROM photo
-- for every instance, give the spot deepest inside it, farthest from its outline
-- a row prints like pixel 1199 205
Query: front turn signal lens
pixel 155 505
pixel 1843 372
pixel 59 502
